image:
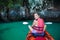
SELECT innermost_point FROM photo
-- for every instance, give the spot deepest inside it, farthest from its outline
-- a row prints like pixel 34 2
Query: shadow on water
pixel 2 31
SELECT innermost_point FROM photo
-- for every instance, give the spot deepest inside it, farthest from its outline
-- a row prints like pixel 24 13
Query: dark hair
pixel 37 13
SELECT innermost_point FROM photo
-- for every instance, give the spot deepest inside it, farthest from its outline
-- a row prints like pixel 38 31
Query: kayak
pixel 46 37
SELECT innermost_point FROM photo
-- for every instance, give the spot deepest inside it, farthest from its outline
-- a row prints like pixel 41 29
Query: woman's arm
pixel 44 27
pixel 30 27
pixel 33 23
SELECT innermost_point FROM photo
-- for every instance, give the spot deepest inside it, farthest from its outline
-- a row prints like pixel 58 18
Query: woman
pixel 38 27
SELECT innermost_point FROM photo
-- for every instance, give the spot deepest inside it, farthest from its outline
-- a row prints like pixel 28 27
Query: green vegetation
pixel 9 3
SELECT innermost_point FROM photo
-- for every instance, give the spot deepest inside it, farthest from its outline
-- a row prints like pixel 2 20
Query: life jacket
pixel 40 26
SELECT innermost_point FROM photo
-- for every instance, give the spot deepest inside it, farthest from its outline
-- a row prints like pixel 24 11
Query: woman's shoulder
pixel 40 19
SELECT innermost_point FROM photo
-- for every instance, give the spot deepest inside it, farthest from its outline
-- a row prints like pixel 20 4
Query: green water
pixel 18 31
